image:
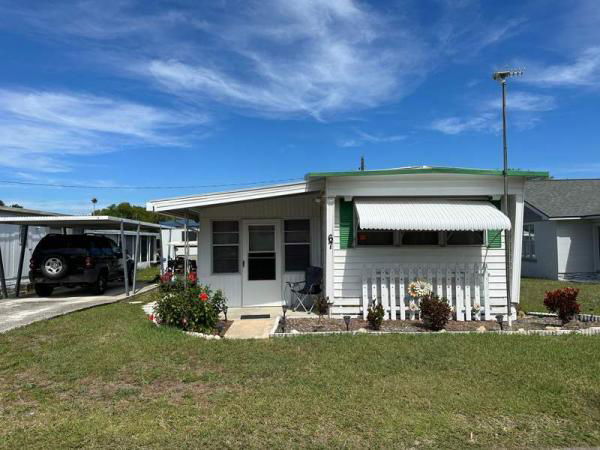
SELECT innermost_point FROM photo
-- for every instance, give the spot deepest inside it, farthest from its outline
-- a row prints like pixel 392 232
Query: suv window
pixel 58 241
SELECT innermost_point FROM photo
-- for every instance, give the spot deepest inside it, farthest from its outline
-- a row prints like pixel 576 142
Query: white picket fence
pixel 465 286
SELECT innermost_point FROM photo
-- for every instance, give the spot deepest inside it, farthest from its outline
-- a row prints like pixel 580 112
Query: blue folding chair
pixel 302 291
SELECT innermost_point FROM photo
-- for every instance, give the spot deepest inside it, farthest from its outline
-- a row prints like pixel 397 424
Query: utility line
pixel 79 186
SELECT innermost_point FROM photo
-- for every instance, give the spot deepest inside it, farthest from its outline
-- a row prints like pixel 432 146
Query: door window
pixel 261 252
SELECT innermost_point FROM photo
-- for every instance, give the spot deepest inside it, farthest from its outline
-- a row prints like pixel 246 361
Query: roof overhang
pixel 87 222
pixel 429 214
pixel 180 206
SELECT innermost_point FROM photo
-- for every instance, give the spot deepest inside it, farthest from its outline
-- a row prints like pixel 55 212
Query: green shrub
pixel 435 312
pixel 194 309
pixel 375 315
pixel 321 305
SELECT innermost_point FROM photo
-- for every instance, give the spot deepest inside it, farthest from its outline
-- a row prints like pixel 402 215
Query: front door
pixel 261 263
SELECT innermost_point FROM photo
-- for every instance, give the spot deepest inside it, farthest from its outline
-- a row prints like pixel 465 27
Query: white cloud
pixel 582 72
pixel 523 107
pixel 299 58
pixel 39 129
pixel 363 138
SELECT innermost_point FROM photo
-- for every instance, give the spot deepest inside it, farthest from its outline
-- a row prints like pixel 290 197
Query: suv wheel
pixel 99 287
pixel 43 290
pixel 54 267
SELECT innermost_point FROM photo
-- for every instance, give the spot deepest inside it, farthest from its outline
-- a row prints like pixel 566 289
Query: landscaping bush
pixel 563 302
pixel 375 315
pixel 435 312
pixel 321 305
pixel 196 308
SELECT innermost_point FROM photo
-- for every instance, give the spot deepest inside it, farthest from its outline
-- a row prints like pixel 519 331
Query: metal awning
pixel 429 214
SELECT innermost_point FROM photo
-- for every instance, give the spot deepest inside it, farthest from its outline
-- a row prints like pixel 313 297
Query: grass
pixel 148 273
pixel 533 289
pixel 106 377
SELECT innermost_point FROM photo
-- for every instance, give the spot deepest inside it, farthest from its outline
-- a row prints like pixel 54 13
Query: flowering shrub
pixel 375 315
pixel 435 312
pixel 419 289
pixel 563 302
pixel 196 308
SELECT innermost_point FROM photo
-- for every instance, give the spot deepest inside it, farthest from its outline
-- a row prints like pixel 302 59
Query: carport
pixel 95 223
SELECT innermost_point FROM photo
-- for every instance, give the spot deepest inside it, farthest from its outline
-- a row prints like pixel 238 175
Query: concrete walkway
pixel 19 312
pixel 255 328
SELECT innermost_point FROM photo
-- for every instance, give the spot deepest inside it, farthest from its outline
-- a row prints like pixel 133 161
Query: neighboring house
pixel 173 239
pixel 561 232
pixel 372 231
pixel 149 244
pixel 10 243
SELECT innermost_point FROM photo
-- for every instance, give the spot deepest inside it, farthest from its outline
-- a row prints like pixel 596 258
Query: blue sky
pixel 111 94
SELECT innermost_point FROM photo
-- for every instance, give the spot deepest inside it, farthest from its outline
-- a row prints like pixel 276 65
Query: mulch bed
pixel 309 325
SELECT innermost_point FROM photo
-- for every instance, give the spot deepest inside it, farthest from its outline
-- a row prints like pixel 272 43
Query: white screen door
pixel 262 263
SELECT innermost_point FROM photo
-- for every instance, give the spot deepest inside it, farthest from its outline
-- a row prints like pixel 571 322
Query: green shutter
pixel 346 224
pixel 494 237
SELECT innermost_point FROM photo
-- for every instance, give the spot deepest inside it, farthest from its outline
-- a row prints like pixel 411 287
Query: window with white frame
pixel 297 244
pixel 225 246
pixel 529 241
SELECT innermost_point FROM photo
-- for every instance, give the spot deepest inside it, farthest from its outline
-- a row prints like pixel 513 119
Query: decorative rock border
pixel 149 310
pixel 580 317
pixel 558 332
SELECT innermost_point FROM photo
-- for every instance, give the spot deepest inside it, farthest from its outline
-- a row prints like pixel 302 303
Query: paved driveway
pixel 18 312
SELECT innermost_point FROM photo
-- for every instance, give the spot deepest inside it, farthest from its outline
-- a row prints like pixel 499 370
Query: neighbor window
pixel 225 246
pixel 528 241
pixel 191 235
pixel 297 244
pixel 464 238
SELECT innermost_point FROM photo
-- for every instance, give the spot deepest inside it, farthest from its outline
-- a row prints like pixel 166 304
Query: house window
pixel 464 238
pixel 420 238
pixel 297 244
pixel 191 235
pixel 375 237
pixel 529 241
pixel 225 246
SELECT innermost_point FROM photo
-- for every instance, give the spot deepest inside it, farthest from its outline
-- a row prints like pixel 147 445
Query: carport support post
pixel 136 256
pixel 185 253
pixel 160 252
pixel 24 232
pixel 124 261
pixel 3 277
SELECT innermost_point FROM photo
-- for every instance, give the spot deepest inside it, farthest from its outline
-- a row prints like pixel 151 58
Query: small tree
pixel 435 312
pixel 563 302
pixel 375 315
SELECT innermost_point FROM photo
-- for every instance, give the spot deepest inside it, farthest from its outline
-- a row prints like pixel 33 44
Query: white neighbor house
pixel 561 236
pixel 372 231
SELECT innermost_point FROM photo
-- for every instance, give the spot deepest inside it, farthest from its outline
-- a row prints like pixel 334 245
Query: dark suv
pixel 75 260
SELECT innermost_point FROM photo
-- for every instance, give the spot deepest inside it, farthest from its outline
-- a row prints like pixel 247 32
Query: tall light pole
pixel 501 77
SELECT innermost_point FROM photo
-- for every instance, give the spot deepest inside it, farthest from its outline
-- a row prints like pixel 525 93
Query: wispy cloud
pixel 581 72
pixel 38 128
pixel 299 58
pixel 486 118
pixel 362 138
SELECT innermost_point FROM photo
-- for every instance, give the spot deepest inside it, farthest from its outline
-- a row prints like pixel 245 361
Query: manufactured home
pixel 372 232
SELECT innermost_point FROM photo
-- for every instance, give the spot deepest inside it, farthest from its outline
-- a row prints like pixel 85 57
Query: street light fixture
pixel 501 77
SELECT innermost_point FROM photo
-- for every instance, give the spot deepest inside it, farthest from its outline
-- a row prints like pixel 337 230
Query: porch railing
pixel 464 285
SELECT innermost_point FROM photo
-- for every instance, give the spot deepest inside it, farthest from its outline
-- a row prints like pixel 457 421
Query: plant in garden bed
pixel 435 312
pixel 195 308
pixel 417 290
pixel 563 302
pixel 375 315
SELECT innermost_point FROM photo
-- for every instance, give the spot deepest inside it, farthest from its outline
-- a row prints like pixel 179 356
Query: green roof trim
pixel 420 170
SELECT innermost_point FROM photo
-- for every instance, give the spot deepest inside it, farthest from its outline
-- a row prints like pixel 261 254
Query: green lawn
pixel 148 274
pixel 533 289
pixel 106 377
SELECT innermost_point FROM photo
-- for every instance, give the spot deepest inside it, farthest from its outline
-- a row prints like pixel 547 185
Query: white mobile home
pixel 372 232
pixel 561 235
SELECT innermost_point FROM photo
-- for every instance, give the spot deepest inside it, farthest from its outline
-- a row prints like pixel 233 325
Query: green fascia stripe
pixel 456 170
